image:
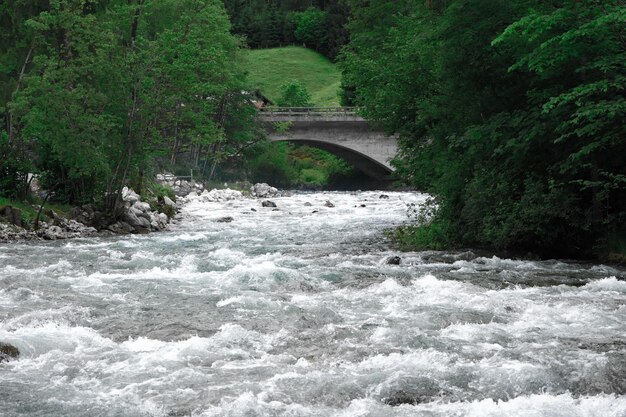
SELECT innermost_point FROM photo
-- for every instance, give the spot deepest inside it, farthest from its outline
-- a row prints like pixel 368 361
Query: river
pixel 296 312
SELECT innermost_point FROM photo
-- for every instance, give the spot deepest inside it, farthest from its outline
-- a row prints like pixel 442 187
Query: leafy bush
pixel 312 176
pixel 284 165
pixel 311 27
pixel 294 94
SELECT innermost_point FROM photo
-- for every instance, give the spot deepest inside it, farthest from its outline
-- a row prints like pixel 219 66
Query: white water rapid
pixel 296 312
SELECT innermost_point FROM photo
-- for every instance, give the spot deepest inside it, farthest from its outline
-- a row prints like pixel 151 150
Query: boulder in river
pixel 226 219
pixel 329 203
pixel 135 221
pixel 394 260
pixel 268 203
pixel 401 398
pixel 138 215
pixel 8 352
pixel 121 228
pixel 263 190
pixel 384 197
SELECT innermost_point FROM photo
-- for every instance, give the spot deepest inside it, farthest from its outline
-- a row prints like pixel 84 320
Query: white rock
pixel 136 211
pixel 129 195
pixel 168 201
pixel 145 207
pixel 215 196
pixel 53 233
pixel 135 221
pixel 263 190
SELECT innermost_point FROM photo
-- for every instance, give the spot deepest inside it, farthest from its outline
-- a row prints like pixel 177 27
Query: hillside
pixel 268 69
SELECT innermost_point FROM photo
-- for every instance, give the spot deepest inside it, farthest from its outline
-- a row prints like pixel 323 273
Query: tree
pixel 311 27
pixel 16 56
pixel 271 23
pixel 294 94
pixel 509 117
pixel 107 88
pixel 62 108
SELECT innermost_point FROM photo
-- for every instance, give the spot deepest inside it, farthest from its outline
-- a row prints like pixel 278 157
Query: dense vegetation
pixel 291 166
pixel 100 94
pixel 94 92
pixel 316 24
pixel 269 69
pixel 511 113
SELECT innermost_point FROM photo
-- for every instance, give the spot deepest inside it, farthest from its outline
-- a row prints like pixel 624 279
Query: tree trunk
pixel 8 115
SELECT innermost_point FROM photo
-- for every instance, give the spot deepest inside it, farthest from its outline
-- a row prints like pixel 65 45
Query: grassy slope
pixel 268 69
pixel 29 211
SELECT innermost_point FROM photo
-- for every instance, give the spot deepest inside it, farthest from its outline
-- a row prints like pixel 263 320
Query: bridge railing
pixel 309 110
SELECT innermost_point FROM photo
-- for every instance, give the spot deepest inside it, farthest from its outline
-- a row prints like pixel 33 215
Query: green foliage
pixel 153 194
pixel 282 127
pixel 96 92
pixel 284 165
pixel 159 191
pixel 30 208
pixel 311 27
pixel 273 23
pixel 430 236
pixel 269 68
pixel 270 164
pixel 294 94
pixel 509 112
pixel 13 169
pixel 312 177
pixel 316 167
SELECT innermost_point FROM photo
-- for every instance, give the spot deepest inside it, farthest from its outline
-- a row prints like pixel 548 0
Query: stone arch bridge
pixel 338 130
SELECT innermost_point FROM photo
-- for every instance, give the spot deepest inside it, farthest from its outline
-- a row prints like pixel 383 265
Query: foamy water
pixel 296 312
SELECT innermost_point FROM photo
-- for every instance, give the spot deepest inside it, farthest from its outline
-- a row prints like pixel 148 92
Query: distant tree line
pixel 511 113
pixel 317 24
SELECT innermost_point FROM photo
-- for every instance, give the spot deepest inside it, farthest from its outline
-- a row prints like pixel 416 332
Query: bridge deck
pixel 285 114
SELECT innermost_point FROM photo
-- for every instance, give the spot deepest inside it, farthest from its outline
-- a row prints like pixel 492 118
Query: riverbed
pixel 298 312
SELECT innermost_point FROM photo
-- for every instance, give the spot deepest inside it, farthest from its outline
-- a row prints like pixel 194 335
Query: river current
pixel 297 312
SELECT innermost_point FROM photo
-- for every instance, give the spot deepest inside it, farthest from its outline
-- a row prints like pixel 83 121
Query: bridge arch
pixel 339 131
pixel 368 166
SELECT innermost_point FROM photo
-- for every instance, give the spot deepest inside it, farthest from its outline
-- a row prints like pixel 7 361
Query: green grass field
pixel 268 69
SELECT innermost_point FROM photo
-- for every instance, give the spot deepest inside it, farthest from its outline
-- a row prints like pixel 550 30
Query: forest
pixel 509 114
pixel 94 91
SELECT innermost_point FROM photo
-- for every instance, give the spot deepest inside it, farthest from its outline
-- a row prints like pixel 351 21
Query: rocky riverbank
pixel 136 217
